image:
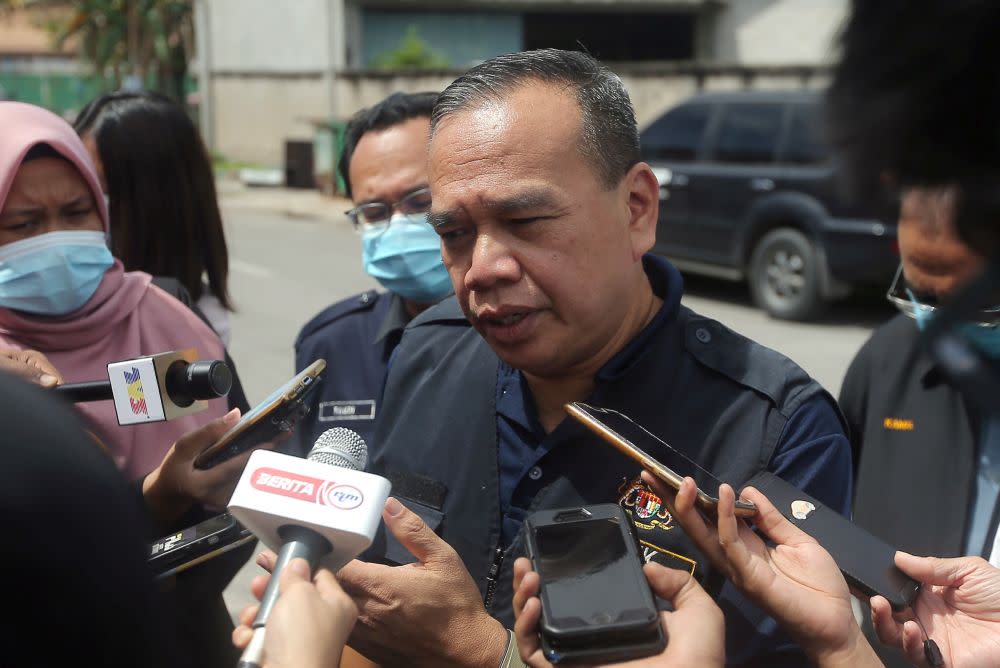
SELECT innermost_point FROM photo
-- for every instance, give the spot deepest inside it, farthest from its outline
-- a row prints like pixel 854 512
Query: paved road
pixel 286 267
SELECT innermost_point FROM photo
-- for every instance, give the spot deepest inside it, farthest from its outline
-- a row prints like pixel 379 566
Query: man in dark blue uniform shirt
pixel 384 167
pixel 546 215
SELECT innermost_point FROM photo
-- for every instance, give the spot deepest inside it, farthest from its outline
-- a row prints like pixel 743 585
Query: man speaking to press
pixel 545 230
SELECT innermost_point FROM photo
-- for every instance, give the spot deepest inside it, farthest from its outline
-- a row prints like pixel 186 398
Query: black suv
pixel 749 192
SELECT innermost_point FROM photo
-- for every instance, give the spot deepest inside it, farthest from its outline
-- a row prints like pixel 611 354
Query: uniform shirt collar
pixel 395 319
pixel 668 285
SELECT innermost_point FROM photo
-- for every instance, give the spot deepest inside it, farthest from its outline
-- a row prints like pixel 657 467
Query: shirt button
pixel 535 473
pixel 703 335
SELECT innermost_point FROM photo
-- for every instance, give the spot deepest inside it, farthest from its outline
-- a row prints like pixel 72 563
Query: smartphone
pixel 867 563
pixel 180 551
pixel 267 420
pixel 626 435
pixel 596 604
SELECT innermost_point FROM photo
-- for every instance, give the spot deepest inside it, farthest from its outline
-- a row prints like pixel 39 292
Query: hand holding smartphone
pixel 597 606
pixel 277 414
pixel 866 562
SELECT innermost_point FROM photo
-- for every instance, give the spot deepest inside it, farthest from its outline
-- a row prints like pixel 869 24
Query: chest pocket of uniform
pixel 394 550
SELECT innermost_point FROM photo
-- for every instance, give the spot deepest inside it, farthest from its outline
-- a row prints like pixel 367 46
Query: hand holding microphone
pixel 324 510
pixel 310 623
pixel 30 365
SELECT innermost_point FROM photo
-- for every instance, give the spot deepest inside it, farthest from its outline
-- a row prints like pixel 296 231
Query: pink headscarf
pixel 127 317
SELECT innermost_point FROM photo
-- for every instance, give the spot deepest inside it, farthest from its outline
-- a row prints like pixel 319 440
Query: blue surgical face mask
pixel 54 273
pixel 405 258
pixel 985 339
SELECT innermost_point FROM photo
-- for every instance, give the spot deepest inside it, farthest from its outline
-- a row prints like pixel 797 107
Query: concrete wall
pixel 269 36
pixel 254 116
pixel 652 89
pixel 774 32
pixel 268 71
pixel 271 67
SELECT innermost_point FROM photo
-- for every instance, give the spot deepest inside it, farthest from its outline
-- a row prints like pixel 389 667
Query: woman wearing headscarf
pixel 62 292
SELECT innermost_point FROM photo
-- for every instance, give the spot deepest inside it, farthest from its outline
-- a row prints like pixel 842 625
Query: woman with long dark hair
pixel 160 186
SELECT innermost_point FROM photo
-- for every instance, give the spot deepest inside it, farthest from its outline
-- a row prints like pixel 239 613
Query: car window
pixel 804 144
pixel 748 133
pixel 677 134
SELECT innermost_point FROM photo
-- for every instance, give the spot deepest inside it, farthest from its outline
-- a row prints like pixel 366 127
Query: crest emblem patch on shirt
pixel 644 506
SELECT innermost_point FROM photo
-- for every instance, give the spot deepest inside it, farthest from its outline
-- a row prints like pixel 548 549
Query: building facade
pixel 268 71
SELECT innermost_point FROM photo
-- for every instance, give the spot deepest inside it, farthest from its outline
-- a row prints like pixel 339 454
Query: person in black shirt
pixel 928 463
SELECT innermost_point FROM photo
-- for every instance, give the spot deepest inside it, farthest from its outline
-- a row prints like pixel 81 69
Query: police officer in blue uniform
pixel 384 167
pixel 546 215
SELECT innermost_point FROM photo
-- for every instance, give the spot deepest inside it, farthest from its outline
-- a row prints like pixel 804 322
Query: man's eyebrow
pixel 528 199
pixel 441 218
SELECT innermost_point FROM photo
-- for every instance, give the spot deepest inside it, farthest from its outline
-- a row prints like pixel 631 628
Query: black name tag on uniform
pixel 346 411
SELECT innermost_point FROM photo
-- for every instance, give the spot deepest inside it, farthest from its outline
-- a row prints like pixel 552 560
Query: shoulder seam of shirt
pixel 336 311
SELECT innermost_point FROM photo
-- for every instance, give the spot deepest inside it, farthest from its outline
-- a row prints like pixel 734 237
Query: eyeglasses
pixel 377 214
pixel 919 306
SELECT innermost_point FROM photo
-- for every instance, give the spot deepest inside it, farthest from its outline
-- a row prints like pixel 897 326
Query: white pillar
pixel 202 31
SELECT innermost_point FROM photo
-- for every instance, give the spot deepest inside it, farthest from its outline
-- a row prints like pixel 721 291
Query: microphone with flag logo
pixel 324 509
pixel 157 387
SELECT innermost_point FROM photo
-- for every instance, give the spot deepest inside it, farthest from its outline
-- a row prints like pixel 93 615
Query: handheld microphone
pixel 157 387
pixel 324 509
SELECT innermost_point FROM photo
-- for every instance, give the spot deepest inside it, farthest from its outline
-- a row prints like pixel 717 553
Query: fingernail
pixel 241 635
pixel 48 380
pixel 393 507
pixel 300 567
pixel 262 560
pixel 232 417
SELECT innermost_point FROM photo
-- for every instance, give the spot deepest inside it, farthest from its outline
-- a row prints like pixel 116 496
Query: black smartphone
pixel 629 437
pixel 596 604
pixel 867 562
pixel 267 420
pixel 182 550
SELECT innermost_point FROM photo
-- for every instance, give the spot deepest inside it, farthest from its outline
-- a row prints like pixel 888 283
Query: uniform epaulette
pixel 362 302
pixel 747 362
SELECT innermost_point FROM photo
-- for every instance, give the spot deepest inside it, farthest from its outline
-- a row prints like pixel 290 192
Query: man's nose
pixel 492 263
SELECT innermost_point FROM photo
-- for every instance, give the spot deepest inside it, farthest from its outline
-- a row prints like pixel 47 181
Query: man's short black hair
pixel 915 100
pixel 609 134
pixel 393 110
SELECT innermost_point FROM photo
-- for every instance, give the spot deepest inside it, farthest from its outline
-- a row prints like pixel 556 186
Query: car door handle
pixel 763 185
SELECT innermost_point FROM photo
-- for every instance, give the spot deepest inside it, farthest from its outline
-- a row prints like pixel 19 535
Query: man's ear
pixel 643 193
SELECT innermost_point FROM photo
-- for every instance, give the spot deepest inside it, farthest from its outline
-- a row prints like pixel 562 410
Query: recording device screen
pixel 585 570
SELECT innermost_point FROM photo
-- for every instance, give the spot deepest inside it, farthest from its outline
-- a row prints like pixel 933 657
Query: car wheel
pixel 784 275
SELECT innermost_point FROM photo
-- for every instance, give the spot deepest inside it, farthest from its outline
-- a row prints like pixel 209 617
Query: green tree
pixel 412 53
pixel 147 39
